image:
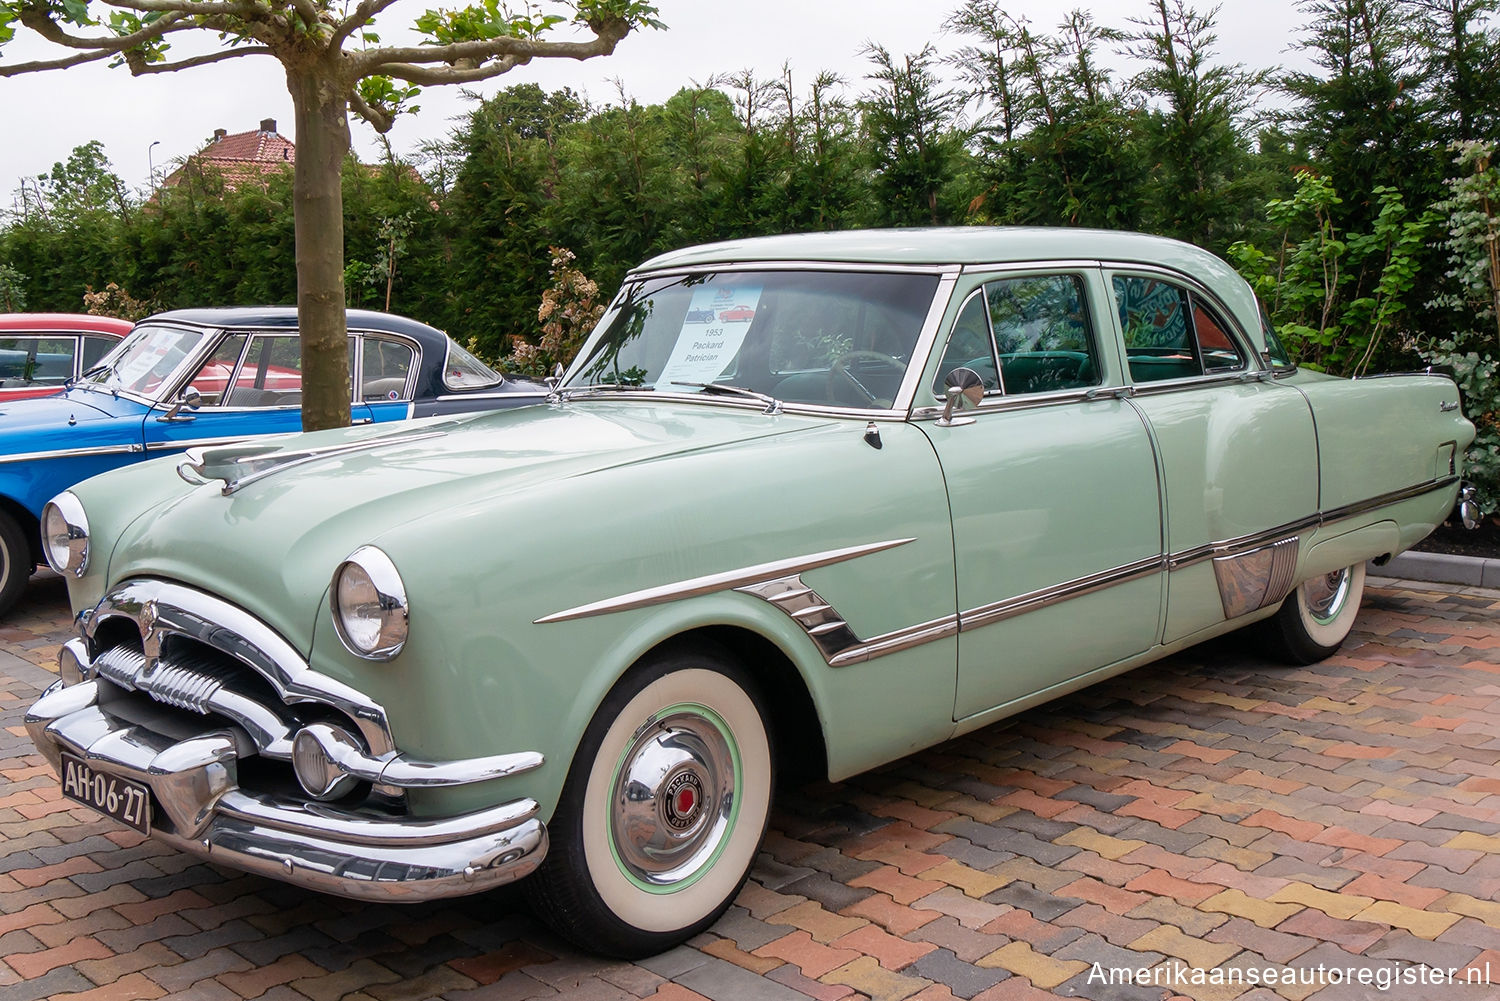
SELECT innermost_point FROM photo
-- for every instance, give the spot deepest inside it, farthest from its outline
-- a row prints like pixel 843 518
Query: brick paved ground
pixel 1211 811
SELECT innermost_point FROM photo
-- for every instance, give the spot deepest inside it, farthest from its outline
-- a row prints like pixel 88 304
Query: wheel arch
pixel 29 523
pixel 797 729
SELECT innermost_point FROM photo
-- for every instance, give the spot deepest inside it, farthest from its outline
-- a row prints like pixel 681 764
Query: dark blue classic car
pixel 210 376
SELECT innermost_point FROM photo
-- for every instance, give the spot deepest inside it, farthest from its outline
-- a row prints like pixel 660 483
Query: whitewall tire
pixel 1317 616
pixel 663 810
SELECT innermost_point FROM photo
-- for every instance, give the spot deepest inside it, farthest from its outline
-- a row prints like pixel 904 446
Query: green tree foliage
pixel 1338 298
pixel 916 143
pixel 1192 136
pixel 1471 296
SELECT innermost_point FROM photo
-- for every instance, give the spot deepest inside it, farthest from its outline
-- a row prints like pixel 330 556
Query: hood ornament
pixel 240 465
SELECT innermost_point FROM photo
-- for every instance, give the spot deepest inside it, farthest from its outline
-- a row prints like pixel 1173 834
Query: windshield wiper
pixel 604 387
pixel 773 405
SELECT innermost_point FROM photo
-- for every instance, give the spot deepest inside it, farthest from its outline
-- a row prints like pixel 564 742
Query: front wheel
pixel 663 810
pixel 16 563
pixel 1316 617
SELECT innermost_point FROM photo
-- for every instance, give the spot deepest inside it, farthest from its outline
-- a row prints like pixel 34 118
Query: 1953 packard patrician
pixel 806 503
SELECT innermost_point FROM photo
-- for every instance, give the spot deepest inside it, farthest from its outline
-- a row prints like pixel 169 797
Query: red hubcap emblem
pixel 683 801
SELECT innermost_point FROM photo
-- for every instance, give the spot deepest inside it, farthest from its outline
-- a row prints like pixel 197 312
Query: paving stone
pixel 964 979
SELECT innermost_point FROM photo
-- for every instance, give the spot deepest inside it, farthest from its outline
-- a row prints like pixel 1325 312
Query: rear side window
pixel 1035 335
pixel 1171 333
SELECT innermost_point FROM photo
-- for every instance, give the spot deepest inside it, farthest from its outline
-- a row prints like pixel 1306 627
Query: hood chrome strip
pixel 264 460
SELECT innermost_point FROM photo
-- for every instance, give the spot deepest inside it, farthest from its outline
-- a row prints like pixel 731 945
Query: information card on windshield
pixel 717 320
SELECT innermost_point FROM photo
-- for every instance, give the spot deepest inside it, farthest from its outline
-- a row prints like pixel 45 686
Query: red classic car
pixel 39 352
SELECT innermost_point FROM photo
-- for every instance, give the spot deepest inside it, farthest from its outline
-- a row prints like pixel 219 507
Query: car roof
pixel 285 318
pixel 948 245
pixel 977 246
pixel 64 321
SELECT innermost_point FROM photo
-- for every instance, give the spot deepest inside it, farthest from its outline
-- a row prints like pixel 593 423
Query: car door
pixel 249 385
pixel 1238 450
pixel 1053 492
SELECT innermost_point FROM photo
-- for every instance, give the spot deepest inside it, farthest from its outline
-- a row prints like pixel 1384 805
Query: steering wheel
pixel 840 371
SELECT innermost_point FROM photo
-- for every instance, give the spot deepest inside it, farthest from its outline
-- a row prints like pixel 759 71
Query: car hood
pixel 71 407
pixel 272 543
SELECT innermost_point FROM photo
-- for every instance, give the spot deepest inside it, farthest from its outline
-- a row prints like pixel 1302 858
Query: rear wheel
pixel 663 809
pixel 1316 617
pixel 16 563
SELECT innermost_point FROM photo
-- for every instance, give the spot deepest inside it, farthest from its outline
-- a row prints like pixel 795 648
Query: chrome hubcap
pixel 1326 595
pixel 673 798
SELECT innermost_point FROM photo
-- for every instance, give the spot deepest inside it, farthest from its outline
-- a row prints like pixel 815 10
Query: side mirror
pixel 189 398
pixel 965 388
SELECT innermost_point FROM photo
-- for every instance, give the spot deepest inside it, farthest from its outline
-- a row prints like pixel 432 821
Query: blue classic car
pixel 210 376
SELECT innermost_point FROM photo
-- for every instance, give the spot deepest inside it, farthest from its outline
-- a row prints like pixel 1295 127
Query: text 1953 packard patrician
pixel 903 485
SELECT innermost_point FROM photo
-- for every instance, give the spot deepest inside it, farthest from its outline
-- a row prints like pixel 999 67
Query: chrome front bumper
pixel 193 778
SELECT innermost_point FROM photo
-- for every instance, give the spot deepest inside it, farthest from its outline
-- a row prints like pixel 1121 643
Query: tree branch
pixel 379 61
pixel 203 60
pixel 49 29
pixel 361 16
pixel 433 76
pixel 378 120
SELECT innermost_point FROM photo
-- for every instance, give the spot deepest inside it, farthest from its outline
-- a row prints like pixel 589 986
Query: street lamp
pixel 151 164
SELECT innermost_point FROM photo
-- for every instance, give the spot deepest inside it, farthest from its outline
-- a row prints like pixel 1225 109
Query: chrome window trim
pixel 977 292
pixel 1037 266
pixel 916 365
pixel 409 393
pixel 764 265
pixel 710 583
pixel 490 394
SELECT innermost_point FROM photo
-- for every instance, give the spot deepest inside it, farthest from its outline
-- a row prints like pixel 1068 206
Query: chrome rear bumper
pixel 193 778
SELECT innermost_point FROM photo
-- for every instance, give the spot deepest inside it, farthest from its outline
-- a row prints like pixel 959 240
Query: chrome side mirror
pixel 189 398
pixel 965 390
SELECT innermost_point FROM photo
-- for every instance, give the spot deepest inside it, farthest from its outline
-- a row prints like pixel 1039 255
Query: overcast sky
pixel 48 114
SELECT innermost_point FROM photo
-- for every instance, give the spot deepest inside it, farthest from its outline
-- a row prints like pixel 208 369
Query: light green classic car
pixel 801 503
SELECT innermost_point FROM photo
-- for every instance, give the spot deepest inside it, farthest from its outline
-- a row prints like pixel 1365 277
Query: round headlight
pixel 65 535
pixel 369 604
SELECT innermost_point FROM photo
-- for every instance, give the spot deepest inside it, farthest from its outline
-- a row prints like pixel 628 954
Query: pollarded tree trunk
pixel 321 110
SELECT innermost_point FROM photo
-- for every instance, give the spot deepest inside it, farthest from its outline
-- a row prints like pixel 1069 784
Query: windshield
pixel 145 360
pixel 841 339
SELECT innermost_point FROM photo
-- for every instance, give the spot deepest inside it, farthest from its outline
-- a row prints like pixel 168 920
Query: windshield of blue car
pixel 826 338
pixel 146 360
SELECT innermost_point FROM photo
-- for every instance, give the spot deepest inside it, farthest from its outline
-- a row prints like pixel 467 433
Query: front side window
pixel 840 339
pixel 270 375
pixel 1171 333
pixel 212 377
pixel 1042 340
pixel 36 361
